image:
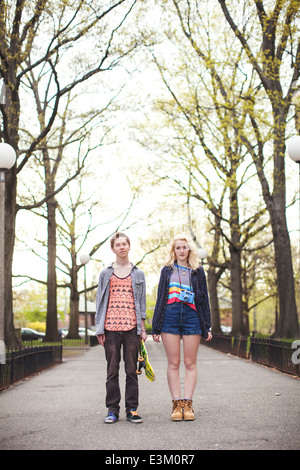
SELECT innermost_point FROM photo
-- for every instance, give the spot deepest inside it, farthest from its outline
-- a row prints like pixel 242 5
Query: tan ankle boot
pixel 177 414
pixel 188 412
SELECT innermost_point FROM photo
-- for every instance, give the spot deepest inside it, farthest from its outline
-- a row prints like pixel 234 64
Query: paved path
pixel 238 404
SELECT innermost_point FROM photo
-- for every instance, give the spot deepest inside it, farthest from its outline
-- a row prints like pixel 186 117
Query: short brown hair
pixel 118 235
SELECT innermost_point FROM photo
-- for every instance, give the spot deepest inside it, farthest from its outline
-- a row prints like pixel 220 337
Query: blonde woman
pixel 182 311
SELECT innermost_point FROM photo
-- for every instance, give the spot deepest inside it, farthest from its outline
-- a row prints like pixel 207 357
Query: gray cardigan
pixel 139 294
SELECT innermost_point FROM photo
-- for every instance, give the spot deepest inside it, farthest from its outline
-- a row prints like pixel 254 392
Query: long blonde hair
pixel 193 258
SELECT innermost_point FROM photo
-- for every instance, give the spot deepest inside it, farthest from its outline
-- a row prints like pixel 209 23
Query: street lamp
pixel 294 153
pixel 84 259
pixel 203 253
pixel 294 149
pixel 7 161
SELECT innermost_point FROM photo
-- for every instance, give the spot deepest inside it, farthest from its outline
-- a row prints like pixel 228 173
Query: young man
pixel 120 320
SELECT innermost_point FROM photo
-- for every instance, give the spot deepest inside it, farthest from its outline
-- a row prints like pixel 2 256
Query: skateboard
pixel 143 363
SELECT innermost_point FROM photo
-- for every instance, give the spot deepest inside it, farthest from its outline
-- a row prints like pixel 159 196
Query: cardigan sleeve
pixel 162 289
pixel 205 301
pixel 143 298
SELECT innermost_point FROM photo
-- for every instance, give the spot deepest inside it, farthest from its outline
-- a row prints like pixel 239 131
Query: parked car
pixel 81 331
pixel 225 329
pixel 28 334
pixel 62 332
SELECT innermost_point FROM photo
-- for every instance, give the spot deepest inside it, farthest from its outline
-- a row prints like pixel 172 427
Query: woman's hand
pixel 156 338
pixel 209 336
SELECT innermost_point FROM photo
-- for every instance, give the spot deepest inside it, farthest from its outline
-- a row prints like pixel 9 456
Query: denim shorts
pixel 181 319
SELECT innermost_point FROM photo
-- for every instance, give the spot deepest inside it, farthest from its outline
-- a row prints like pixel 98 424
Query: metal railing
pixel 266 351
pixel 237 346
pixel 272 353
pixel 28 361
pixel 35 356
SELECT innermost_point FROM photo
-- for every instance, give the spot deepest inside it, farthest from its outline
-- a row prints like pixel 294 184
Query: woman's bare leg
pixel 172 347
pixel 190 350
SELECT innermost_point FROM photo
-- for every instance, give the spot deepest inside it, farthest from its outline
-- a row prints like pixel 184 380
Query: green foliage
pixel 265 317
pixel 38 326
pixel 150 312
pixel 30 306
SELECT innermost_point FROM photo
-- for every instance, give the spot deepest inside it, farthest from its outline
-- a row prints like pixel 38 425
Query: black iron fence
pixel 281 355
pixel 28 361
pixel 35 356
pixel 284 356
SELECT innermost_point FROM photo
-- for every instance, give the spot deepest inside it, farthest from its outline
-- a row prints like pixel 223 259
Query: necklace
pixel 183 269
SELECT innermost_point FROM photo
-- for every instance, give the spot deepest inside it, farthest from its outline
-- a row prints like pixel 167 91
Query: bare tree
pixel 69 134
pixel 257 48
pixel 209 123
pixel 75 240
pixel 32 37
pixel 274 55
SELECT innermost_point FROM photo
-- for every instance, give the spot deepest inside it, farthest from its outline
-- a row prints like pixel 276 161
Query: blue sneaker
pixel 111 418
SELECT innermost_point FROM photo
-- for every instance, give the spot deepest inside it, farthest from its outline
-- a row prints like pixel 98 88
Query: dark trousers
pixel 113 342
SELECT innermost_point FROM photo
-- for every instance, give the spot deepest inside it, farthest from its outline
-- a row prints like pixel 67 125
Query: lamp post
pixel 294 153
pixel 203 253
pixel 84 259
pixel 7 161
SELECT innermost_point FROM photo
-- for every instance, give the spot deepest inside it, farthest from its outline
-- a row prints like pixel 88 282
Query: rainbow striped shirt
pixel 174 287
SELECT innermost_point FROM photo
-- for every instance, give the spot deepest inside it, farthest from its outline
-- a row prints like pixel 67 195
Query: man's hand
pixel 101 339
pixel 143 335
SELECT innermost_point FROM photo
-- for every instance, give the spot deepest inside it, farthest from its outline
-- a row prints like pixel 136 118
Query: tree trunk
pixel 287 326
pixel 74 297
pixel 74 312
pixel 212 280
pixel 238 326
pixel 10 222
pixel 10 133
pixel 51 322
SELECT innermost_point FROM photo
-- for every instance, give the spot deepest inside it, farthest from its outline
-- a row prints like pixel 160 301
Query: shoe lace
pixel 188 405
pixel 177 406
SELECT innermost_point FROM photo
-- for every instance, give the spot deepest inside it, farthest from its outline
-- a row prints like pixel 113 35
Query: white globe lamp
pixel 203 253
pixel 293 149
pixel 7 156
pixel 84 259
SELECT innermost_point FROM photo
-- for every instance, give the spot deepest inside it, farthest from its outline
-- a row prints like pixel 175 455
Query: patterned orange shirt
pixel 120 315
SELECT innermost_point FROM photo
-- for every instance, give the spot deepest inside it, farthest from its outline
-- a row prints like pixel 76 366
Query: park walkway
pixel 238 404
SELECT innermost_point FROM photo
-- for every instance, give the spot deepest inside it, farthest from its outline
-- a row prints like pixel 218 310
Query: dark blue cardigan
pixel 199 286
